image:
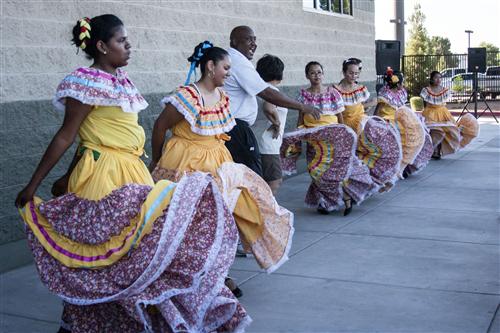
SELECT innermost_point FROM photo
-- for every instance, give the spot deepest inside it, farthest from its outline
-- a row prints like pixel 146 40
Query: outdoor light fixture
pixel 468 32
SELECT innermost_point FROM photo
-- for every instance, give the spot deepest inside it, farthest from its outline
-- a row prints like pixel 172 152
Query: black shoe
pixel 348 207
pixel 322 211
pixel 233 287
pixel 436 157
pixel 406 174
pixel 63 330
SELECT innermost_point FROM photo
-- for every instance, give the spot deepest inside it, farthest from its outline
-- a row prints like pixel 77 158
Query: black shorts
pixel 243 146
pixel 271 167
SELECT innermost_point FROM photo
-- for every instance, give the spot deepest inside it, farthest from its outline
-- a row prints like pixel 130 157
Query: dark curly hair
pixel 270 68
pixel 103 28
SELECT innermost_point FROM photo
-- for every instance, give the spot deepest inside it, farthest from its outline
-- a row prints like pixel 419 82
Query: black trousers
pixel 243 146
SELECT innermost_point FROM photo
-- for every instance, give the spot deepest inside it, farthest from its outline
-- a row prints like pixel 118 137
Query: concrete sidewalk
pixel 421 258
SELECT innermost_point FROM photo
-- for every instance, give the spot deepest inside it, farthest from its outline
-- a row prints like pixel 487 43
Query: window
pixel 331 6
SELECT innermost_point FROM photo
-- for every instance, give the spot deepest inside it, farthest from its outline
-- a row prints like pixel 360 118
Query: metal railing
pixel 454 75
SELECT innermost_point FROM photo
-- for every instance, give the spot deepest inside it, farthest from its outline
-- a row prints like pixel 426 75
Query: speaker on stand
pixel 476 63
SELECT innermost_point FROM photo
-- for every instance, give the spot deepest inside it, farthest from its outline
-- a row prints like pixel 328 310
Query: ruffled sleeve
pixel 203 121
pixel 394 99
pixel 362 94
pixel 337 103
pixel 424 94
pixel 97 88
pixel 437 99
pixel 300 99
pixel 356 96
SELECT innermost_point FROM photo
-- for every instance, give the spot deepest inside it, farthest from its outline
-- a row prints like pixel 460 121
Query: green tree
pixel 418 43
pixel 442 46
pixel 439 45
pixel 426 53
pixel 492 54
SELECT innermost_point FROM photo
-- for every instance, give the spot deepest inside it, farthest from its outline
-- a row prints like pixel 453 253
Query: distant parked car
pixel 492 71
pixel 491 86
pixel 448 73
pixel 463 84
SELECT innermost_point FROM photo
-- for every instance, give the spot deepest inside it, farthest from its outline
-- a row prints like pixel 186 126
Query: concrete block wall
pixel 36 53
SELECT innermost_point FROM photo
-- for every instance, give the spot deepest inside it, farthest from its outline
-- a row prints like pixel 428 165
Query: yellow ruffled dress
pixel 110 150
pixel 391 107
pixel 445 132
pixel 354 112
pixel 197 144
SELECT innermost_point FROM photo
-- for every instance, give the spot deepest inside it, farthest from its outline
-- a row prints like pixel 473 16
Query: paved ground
pixel 422 258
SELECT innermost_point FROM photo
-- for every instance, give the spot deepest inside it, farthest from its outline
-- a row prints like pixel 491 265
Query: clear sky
pixel 446 18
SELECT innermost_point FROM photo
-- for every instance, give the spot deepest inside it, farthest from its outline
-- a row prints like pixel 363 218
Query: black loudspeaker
pixel 387 54
pixel 476 59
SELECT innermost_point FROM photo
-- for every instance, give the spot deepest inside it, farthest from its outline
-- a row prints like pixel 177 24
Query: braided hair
pixel 87 32
pixel 203 53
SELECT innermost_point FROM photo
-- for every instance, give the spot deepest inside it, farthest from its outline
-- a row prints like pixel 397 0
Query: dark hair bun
pixel 102 27
pixel 199 51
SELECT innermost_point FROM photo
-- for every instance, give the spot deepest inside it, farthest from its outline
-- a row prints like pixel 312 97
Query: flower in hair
pixel 389 71
pixel 84 32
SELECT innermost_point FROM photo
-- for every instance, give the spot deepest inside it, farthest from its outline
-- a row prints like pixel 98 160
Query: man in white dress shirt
pixel 243 85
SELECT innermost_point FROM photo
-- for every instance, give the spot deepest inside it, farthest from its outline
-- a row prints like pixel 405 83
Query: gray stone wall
pixel 36 53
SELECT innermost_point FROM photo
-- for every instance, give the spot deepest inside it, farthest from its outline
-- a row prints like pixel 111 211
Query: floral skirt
pixel 425 153
pixel 451 136
pixel 141 258
pixel 266 228
pixel 332 164
pixel 379 148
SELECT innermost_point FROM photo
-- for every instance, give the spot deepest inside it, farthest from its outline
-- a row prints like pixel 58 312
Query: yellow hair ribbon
pixel 84 35
pixel 84 31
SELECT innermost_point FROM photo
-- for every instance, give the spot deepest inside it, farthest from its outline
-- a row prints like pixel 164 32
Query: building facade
pixel 36 53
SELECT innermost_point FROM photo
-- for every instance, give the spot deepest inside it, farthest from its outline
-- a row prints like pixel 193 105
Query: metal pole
pixel 468 32
pixel 475 89
pixel 399 23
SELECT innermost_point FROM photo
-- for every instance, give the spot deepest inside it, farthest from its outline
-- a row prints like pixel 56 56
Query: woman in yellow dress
pixel 378 142
pixel 123 254
pixel 199 117
pixel 448 136
pixel 355 96
pixel 391 106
